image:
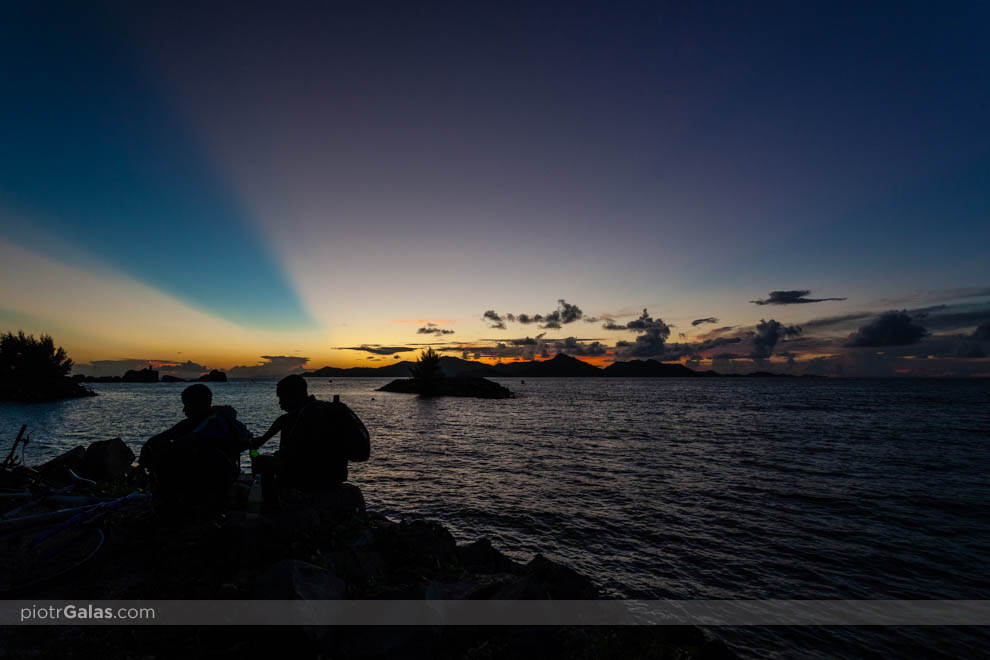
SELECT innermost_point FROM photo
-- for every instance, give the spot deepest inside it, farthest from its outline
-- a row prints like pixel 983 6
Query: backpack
pixel 347 431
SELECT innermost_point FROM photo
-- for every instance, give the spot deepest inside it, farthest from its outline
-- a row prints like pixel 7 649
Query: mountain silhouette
pixel 647 368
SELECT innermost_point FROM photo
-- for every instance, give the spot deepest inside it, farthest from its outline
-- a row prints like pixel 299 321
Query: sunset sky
pixel 787 186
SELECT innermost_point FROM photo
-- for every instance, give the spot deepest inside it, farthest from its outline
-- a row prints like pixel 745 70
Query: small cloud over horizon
pixel 378 349
pixel 791 297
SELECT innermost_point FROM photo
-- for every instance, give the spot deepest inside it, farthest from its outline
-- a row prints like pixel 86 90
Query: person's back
pixel 198 458
pixel 316 441
pixel 222 431
pixel 312 460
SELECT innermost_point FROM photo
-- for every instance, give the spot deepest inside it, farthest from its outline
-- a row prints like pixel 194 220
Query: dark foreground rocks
pixel 465 386
pixel 327 547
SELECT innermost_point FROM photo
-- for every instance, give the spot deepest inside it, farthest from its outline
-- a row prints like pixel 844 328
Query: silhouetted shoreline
pixel 150 375
pixel 561 366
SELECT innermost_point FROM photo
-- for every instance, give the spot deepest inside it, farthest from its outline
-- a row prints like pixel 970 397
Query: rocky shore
pixel 330 547
pixel 29 391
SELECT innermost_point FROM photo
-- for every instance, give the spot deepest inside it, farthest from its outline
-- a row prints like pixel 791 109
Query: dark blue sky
pixel 288 167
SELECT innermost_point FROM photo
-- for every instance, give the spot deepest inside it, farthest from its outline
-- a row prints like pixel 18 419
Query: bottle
pixel 254 499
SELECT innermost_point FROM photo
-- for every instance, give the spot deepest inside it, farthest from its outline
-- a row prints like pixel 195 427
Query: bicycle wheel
pixel 32 559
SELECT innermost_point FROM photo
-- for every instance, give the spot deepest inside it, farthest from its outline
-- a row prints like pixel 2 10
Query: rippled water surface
pixel 667 488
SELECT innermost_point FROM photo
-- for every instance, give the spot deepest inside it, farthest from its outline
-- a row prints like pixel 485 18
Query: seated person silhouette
pixel 316 441
pixel 197 460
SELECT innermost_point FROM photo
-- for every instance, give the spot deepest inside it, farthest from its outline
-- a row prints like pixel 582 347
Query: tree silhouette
pixel 428 370
pixel 34 369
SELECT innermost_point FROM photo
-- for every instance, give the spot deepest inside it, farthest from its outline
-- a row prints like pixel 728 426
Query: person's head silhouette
pixel 197 401
pixel 292 393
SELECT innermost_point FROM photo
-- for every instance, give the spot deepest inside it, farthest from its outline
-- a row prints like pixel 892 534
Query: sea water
pixel 745 488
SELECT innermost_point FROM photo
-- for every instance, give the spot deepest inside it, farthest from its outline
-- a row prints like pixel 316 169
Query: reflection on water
pixel 669 488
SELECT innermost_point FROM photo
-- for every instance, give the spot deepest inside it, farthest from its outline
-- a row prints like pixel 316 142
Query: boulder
pixel 247 543
pixel 430 541
pixel 363 558
pixel 106 460
pixel 291 579
pixel 296 521
pixel 56 467
pixel 477 587
pixel 545 579
pixel 561 582
pixel 344 501
pixel 482 557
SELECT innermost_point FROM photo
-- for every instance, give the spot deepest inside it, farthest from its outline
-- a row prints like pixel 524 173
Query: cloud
pixel 793 297
pixel 717 332
pixel 573 346
pixel 767 334
pixel 835 321
pixel 529 348
pixel 497 322
pixel 187 369
pixel 891 328
pixel 960 316
pixel 790 357
pixel 564 314
pixel 378 349
pixel 422 321
pixel 651 340
pixel 707 319
pixel 694 350
pixel 935 295
pixel 275 366
pixel 982 333
pixel 527 341
pixel 709 344
pixel 568 313
pixel 939 317
pixel 723 362
pixel 434 329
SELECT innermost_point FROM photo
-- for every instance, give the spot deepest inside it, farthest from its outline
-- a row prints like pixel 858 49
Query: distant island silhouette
pixel 561 366
pixel 149 375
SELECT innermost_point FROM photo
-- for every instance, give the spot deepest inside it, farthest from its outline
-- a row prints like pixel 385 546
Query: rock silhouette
pixel 215 376
pixel 146 375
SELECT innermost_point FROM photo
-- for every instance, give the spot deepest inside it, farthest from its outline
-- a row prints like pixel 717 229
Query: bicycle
pixel 38 552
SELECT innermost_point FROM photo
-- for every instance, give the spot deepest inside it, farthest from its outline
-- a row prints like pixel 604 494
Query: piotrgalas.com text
pixel 84 612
